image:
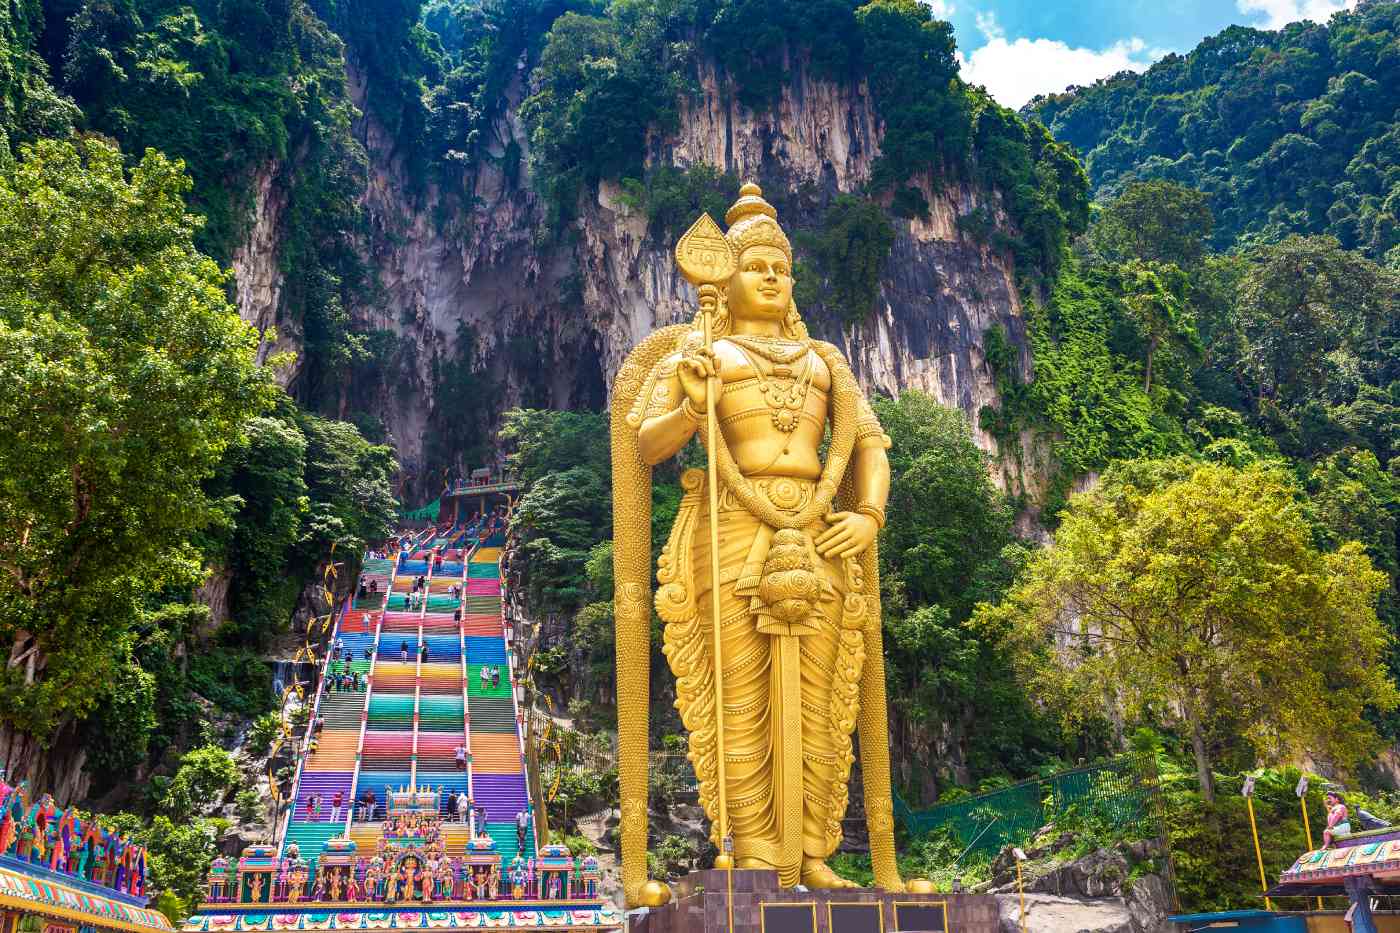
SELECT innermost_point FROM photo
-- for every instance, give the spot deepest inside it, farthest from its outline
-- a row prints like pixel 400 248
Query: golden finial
pixel 750 202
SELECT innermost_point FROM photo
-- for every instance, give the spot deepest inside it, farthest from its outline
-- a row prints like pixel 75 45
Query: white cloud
pixel 1015 70
pixel 1279 13
pixel 942 9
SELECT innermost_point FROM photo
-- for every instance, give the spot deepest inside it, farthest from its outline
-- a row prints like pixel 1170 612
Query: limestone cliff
pixel 551 314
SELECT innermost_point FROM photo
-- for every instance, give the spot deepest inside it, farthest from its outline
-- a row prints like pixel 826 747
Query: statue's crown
pixel 754 222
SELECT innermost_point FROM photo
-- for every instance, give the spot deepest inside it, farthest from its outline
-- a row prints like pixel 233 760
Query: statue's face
pixel 762 286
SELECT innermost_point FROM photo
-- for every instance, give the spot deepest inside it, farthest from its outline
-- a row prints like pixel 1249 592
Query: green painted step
pixel 474 688
pixel 342 710
pixel 440 713
pixel 484 571
pixel 505 836
pixel 391 709
pixel 311 838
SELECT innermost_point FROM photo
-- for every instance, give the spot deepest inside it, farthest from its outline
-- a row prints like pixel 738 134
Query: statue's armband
pixel 869 432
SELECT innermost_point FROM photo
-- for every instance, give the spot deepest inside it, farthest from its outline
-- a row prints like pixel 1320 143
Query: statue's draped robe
pixel 790 687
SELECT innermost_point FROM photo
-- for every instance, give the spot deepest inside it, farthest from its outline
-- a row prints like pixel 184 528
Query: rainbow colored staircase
pixel 420 704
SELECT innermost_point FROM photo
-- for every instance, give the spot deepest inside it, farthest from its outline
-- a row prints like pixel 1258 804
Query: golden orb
pixel 919 886
pixel 655 894
pixel 724 862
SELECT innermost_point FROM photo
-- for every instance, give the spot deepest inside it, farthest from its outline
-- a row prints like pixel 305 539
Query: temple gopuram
pixel 62 871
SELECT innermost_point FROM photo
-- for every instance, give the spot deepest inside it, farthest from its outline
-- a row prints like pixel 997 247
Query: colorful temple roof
pixel 1375 854
pixel 31 888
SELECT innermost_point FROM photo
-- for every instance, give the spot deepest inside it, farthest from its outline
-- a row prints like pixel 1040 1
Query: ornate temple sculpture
pixel 797 621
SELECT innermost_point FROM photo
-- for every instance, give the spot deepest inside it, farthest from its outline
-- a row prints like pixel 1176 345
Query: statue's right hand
pixel 694 370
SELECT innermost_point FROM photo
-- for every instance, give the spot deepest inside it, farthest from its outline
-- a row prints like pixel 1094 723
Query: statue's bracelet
pixel 689 411
pixel 874 512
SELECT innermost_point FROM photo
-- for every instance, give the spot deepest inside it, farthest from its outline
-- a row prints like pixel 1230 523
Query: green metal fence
pixel 1123 793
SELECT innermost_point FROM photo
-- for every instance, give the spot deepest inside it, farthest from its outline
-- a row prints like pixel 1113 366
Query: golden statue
pixel 797 621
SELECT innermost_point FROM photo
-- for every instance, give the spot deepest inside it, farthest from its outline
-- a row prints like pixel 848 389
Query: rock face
pixel 548 316
pixel 1098 892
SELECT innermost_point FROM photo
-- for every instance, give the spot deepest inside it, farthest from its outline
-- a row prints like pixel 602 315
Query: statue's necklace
pixel 785 392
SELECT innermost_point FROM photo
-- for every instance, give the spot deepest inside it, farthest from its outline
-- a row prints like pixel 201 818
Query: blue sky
pixel 1019 48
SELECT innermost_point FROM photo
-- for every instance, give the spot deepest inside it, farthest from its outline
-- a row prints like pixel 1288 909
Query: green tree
pixel 848 253
pixel 1154 221
pixel 1194 594
pixel 957 713
pixel 205 777
pixel 179 855
pixel 1153 299
pixel 1309 311
pixel 127 374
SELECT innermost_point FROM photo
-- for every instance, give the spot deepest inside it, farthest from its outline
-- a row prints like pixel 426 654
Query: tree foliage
pixel 1194 594
pixel 124 362
pixel 957 712
pixel 1291 131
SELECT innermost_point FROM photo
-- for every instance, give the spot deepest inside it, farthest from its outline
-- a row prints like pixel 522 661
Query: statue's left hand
pixel 850 534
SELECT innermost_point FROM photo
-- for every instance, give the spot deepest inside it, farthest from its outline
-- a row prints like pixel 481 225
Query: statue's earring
pixel 792 321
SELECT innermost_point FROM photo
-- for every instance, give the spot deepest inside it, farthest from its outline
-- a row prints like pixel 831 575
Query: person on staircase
pixel 403 652
pixel 337 804
pixel 463 805
pixel 460 753
pixel 522 824
pixel 423 651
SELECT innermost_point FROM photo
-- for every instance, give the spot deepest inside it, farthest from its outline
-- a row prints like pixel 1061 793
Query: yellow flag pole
pixel 1258 853
pixel 1307 828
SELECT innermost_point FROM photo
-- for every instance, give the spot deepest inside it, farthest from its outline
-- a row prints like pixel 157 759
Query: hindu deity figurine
pixel 790 537
pixel 13 816
pixel 255 885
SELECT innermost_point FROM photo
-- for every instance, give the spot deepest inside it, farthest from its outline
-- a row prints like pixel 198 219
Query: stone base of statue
pixel 702 904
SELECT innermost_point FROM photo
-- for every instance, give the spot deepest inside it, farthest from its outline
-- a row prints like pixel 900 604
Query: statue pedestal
pixel 702 904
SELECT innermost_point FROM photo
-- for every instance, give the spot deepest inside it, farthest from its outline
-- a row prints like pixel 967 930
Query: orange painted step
pixel 495 753
pixel 335 751
pixel 366 837
pixel 488 627
pixel 487 555
pixel 455 836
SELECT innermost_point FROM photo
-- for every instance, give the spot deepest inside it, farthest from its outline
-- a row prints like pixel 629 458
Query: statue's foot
pixel 817 874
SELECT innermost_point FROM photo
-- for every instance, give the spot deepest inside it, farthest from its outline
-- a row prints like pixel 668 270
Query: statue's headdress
pixel 754 222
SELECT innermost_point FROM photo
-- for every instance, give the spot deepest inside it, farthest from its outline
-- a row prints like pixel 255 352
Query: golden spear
pixel 707 260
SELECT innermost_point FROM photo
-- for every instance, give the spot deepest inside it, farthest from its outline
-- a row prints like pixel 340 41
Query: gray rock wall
pixel 554 313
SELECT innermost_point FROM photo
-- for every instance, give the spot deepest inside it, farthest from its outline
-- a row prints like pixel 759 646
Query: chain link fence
pixel 1123 793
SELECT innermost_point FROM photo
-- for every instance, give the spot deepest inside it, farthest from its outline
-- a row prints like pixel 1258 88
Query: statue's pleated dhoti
pixel 787 748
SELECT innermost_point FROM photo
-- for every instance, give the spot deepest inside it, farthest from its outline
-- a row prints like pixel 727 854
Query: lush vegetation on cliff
pixel 1293 131
pixel 610 81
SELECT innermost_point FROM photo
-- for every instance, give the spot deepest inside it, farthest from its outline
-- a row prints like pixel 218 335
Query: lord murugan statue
pixel 791 539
